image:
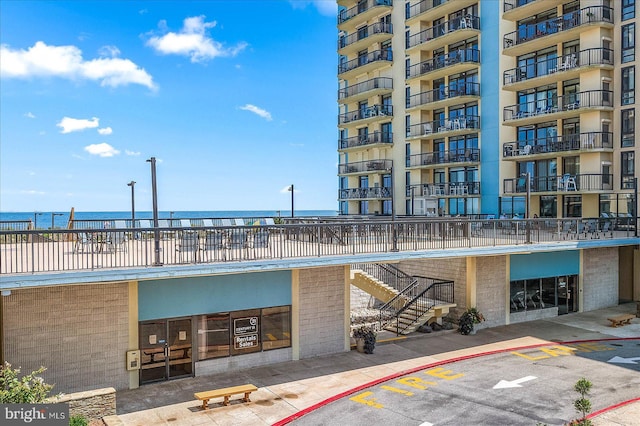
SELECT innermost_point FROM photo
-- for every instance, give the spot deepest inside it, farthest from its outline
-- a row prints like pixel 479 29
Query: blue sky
pixel 235 99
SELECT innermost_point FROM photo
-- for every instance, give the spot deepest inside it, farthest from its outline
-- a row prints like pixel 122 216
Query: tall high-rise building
pixel 464 107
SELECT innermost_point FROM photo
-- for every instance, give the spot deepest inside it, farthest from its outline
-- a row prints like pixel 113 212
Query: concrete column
pixel 134 339
pixel 471 298
pixel 347 307
pixel 295 314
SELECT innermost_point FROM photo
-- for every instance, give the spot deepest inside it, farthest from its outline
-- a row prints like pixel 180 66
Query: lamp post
pixel 35 219
pixel 154 193
pixel 53 215
pixel 133 204
pixel 291 189
pixel 528 205
pixel 394 231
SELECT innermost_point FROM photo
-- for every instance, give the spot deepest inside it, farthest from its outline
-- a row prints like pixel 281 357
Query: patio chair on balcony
pixel 427 129
pixel 214 246
pixel 188 247
pixel 237 243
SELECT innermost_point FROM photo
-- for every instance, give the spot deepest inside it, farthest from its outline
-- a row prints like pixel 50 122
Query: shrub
pixel 30 388
pixel 369 336
pixel 467 320
pixel 78 420
pixel 582 404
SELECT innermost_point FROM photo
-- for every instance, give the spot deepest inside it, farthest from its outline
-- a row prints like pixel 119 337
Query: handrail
pixel 437 31
pixel 446 92
pixel 365 86
pixel 363 33
pixel 454 57
pixel 361 7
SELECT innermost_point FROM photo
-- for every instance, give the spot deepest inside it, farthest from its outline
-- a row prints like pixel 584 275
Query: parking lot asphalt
pixel 290 391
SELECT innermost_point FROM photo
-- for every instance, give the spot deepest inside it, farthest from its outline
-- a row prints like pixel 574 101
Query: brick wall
pixel 322 311
pixel 491 278
pixel 600 278
pixel 454 269
pixel 79 333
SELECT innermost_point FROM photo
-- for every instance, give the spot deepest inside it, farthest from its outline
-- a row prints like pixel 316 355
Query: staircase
pixel 408 302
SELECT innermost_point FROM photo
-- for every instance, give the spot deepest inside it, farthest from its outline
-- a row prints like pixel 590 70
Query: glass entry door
pixel 165 350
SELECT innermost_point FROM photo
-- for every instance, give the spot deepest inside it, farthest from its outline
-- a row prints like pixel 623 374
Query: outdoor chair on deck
pixel 214 246
pixel 116 241
pixel 166 234
pixel 188 247
pixel 85 243
pixel 260 243
pixel 237 243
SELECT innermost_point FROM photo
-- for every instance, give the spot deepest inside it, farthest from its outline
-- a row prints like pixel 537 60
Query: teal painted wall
pixel 490 114
pixel 202 295
pixel 540 265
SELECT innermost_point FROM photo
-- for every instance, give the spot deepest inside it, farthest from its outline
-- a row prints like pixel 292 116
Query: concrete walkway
pixel 287 388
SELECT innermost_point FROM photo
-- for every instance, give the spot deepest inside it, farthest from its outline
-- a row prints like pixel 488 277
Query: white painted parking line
pixel 505 384
pixel 426 424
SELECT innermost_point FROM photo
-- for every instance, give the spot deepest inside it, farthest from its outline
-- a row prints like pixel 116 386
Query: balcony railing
pixel 442 157
pixel 570 142
pixel 369 112
pixel 371 57
pixel 361 7
pixel 512 4
pixel 445 92
pixel 569 102
pixel 564 183
pixel 32 252
pixel 364 193
pixel 363 140
pixel 444 28
pixel 365 86
pixel 464 122
pixel 562 23
pixel 587 57
pixel 363 33
pixel 421 7
pixel 450 189
pixel 444 61
pixel 365 166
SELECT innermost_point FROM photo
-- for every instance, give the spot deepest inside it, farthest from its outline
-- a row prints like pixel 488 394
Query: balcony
pixel 445 33
pixel 438 158
pixel 446 127
pixel 363 11
pixel 370 114
pixel 366 89
pixel 370 140
pixel 557 107
pixel 365 167
pixel 447 95
pixel 364 37
pixel 563 68
pixel 426 10
pixel 550 146
pixel 366 63
pixel 451 63
pixel 532 37
pixel 591 182
pixel 377 193
pixel 448 189
pixel 515 10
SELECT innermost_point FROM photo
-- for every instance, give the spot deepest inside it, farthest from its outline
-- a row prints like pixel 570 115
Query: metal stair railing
pixel 388 274
pixel 425 293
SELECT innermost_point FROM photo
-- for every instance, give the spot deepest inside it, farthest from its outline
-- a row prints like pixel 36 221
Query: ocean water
pixel 60 219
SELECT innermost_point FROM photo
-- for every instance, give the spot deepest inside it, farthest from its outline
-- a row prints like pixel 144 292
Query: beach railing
pixel 37 251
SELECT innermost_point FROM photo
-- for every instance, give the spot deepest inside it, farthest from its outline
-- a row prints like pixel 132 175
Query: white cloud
pixel 32 192
pixel 109 51
pixel 193 41
pixel 69 124
pixel 67 62
pixel 325 7
pixel 29 115
pixel 105 131
pixel 132 153
pixel 256 110
pixel 101 150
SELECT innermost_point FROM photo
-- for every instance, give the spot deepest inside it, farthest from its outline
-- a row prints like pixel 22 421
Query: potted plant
pixel 468 319
pixel 365 339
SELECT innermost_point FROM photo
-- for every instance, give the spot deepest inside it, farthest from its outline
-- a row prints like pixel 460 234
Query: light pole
pixel 154 193
pixel 35 219
pixel 527 213
pixel 394 231
pixel 291 189
pixel 53 215
pixel 133 204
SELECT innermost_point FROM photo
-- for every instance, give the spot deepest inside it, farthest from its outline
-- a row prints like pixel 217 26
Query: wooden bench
pixel 226 393
pixel 621 320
